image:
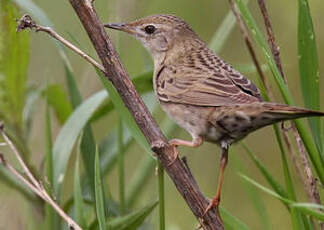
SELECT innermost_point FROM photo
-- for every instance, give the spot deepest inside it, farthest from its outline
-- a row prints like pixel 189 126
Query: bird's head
pixel 158 33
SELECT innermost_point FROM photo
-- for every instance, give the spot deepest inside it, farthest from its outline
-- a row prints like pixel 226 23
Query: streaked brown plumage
pixel 202 93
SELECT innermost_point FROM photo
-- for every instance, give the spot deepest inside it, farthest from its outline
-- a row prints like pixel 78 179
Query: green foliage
pixel 79 209
pixel 100 206
pixel 309 69
pixel 124 113
pixel 231 222
pixel 69 133
pixel 133 220
pixel 14 58
pixel 57 99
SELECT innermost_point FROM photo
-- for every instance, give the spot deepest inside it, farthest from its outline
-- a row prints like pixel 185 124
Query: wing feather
pixel 206 81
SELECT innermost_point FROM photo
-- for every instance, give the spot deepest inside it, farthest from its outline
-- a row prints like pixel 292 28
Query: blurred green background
pixel 204 16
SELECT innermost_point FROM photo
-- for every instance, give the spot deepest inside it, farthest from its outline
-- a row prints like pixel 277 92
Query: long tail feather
pixel 289 112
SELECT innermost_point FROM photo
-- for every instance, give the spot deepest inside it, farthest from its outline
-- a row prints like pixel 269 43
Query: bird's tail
pixel 258 115
pixel 286 112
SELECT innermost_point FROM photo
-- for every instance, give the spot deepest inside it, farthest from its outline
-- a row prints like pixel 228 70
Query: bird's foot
pixel 213 203
pixel 175 151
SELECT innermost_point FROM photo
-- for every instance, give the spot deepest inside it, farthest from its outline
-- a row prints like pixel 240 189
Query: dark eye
pixel 149 29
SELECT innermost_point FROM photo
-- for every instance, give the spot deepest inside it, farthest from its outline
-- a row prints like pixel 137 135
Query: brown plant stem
pixel 30 181
pixel 116 73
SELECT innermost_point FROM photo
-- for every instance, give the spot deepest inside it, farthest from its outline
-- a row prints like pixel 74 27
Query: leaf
pixel 78 200
pixel 124 113
pixel 131 221
pixel 121 168
pixel 14 60
pixel 161 195
pixel 231 222
pixel 57 98
pixel 87 145
pixel 309 69
pixel 253 193
pixel 143 84
pixel 302 207
pixel 272 181
pixel 100 207
pixel 32 95
pixel 69 133
pixel 51 219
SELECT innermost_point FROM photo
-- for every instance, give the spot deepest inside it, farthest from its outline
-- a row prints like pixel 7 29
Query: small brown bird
pixel 202 93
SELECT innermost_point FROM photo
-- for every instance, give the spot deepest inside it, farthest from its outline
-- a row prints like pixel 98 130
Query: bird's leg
pixel 196 141
pixel 223 162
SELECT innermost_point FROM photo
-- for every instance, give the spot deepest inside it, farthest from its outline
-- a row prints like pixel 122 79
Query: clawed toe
pixel 176 154
pixel 214 203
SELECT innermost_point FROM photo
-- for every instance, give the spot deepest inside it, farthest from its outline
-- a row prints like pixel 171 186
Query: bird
pixel 202 93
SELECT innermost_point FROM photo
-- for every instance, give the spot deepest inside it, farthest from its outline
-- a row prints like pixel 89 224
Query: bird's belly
pixel 194 119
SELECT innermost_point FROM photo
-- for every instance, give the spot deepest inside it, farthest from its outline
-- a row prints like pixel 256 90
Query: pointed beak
pixel 120 26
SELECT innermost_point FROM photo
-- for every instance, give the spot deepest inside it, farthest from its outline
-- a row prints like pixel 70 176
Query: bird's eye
pixel 149 29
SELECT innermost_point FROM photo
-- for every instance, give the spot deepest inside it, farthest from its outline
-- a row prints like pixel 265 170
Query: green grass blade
pixel 79 210
pixel 57 99
pixel 143 84
pixel 222 33
pixel 69 133
pixel 161 196
pixel 145 169
pixel 132 220
pixel 309 69
pixel 50 215
pixel 267 175
pixel 288 181
pixel 307 209
pixel 253 193
pixel 124 113
pixel 232 222
pixel 121 170
pixel 307 140
pixel 109 150
pixel 297 218
pixel 100 206
pixel 88 145
pixel 74 93
pixel 140 178
pixel 32 96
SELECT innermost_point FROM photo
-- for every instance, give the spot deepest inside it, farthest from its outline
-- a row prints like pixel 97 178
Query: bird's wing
pixel 205 83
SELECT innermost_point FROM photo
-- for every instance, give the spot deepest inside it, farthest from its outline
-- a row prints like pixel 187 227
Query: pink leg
pixel 197 141
pixel 223 162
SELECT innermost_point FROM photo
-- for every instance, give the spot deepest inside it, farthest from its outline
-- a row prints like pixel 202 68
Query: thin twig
pixel 271 38
pixel 27 22
pixel 31 181
pixel 116 73
pixel 20 160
